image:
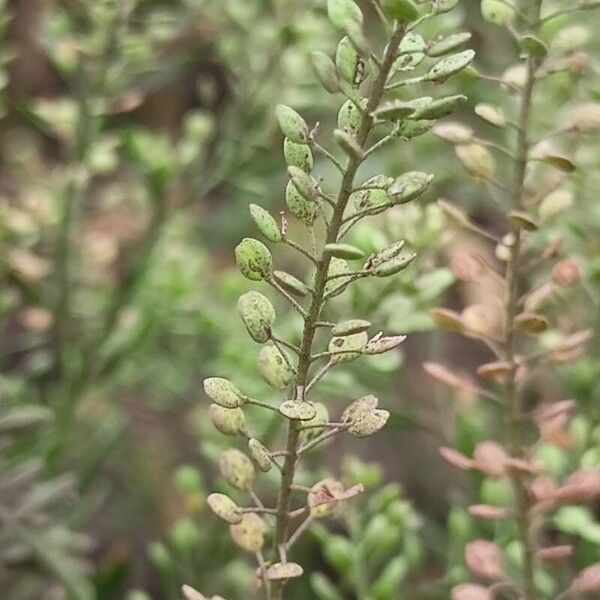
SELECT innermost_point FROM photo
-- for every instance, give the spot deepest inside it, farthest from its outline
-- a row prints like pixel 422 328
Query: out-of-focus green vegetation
pixel 133 136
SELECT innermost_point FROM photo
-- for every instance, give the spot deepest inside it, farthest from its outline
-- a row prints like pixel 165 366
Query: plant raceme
pixel 376 110
pixel 522 495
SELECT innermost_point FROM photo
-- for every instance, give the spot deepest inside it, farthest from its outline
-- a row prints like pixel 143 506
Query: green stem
pixel 318 297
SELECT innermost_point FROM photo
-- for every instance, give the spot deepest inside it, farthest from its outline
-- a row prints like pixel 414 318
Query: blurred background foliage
pixel 133 136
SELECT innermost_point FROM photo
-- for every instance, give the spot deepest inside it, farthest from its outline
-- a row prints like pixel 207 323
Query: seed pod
pixel 477 160
pixel 449 65
pixel 337 266
pixel 266 224
pixel 258 315
pixel 225 508
pixel 522 220
pixel 306 185
pixel 350 327
pixel 346 251
pixel 448 44
pixel 349 64
pixel 348 144
pixel 229 421
pixel 456 133
pixel 362 418
pixel 348 347
pixel 403 11
pixel 408 186
pixel 273 367
pixel 533 46
pixel 498 12
pixel 236 468
pixel 440 107
pixel 381 344
pixel 296 410
pixel 260 455
pixel 325 71
pixel 394 110
pixel 292 125
pixel 298 155
pixel 411 52
pixel 290 284
pixel 443 6
pixel 321 498
pixel 281 571
pixel 585 118
pixel 531 323
pixel 385 255
pixel 349 117
pixel 321 418
pixel 375 195
pixel 222 392
pixel 304 210
pixel 413 129
pixel 249 533
pixel 394 266
pixel 254 259
pixel 555 203
pixel 490 113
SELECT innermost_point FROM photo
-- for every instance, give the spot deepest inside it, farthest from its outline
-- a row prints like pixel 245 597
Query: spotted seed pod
pixel 408 186
pixel 254 259
pixel 304 210
pixel 321 498
pixel 298 155
pixel 374 196
pixel 260 455
pixel 265 223
pixel 362 418
pixel 236 468
pixel 229 421
pixel 222 392
pixel 388 253
pixel 348 144
pixel 249 533
pixel 225 508
pixel 346 251
pixel 321 418
pixel 292 125
pixel 395 265
pixel 258 315
pixel 290 284
pixel 348 347
pixel 306 185
pixel 449 65
pixel 350 327
pixel 411 52
pixel 273 367
pixel 283 571
pixel 412 129
pixel 297 410
pixel 325 71
pixel 337 266
pixel 448 44
pixel 440 107
pixel 349 117
pixel 349 64
pixel 344 13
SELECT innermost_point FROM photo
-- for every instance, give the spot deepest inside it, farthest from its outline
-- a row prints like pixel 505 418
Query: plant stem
pixel 318 297
pixel 513 399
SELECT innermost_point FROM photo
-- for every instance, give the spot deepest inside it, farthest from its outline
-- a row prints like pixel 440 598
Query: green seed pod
pixel 380 344
pixel 292 124
pixel 394 110
pixel 304 210
pixel 237 469
pixel 229 421
pixel 273 367
pixel 321 418
pixel 533 46
pixel 298 155
pixel 448 44
pixel 266 224
pixel 295 410
pixel 254 259
pixel 290 284
pixel 348 144
pixel 403 11
pixel 225 508
pixel 306 185
pixel 443 6
pixel 440 107
pixel 408 186
pixel 348 347
pixel 325 71
pixel 497 11
pixel 385 255
pixel 222 392
pixel 349 64
pixel 394 266
pixel 350 327
pixel 375 197
pixel 258 315
pixel 249 533
pixel 413 129
pixel 344 13
pixel 477 160
pixel 337 266
pixel 349 117
pixel 260 455
pixel 411 52
pixel 346 251
pixel 449 65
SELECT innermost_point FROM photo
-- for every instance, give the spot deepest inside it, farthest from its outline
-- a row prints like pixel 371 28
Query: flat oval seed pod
pixel 448 44
pixel 249 533
pixel 408 186
pixel 279 571
pixel 298 155
pixel 346 348
pixel 237 469
pixel 273 367
pixel 449 65
pixel 394 110
pixel 350 327
pixel 306 185
pixel 440 107
pixel 304 210
pixel 384 255
pixel 290 284
pixel 228 421
pixel 394 266
pixel 258 315
pixel 403 11
pixel 346 251
pixel 348 62
pixel 296 410
pixel 260 455
pixel 222 392
pixel 292 124
pixel 349 117
pixel 254 259
pixel 225 508
pixel 325 71
pixel 265 223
